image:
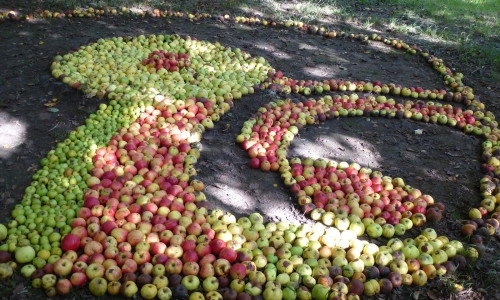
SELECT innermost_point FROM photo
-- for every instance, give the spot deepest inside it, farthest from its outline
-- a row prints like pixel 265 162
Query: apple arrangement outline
pixel 136 210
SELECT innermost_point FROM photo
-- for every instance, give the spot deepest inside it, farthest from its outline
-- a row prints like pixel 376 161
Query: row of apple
pixel 94 13
pixel 276 81
pixel 7 265
pixel 454 81
pixel 267 136
pixel 272 252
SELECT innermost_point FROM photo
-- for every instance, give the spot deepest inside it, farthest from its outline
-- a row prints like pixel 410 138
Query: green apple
pixel 410 251
pixel 190 282
pixel 371 287
pixel 439 256
pixel 388 231
pixel 271 293
pixel 27 270
pixel 25 254
pixel 210 284
pixel 98 286
pixel 303 293
pixel 283 278
pixel 320 292
pixel 400 229
pixel 374 230
pixel 3 232
pixel 164 293
pixel 149 291
pixel 289 293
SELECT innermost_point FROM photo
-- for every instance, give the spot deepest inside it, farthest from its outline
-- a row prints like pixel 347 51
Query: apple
pixel 191 268
pixel 371 287
pixel 63 267
pixel 229 254
pixel 210 284
pixel 27 270
pixel 410 251
pixel 271 293
pixel 78 279
pixel 374 230
pixel 129 289
pixel 164 293
pixel 98 286
pixel 221 267
pixel 24 254
pixel 113 273
pixel 419 278
pixel 63 286
pixel 190 282
pixel 70 242
pixel 425 259
pixel 95 271
pixel 399 266
pixel 149 291
pixel 253 288
pixel 320 292
pixel 114 287
pixel 173 265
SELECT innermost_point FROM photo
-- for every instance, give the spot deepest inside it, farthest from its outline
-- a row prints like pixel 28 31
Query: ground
pixel 440 161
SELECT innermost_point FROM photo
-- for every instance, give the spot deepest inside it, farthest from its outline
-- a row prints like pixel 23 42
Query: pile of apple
pixel 463 94
pixel 267 136
pixel 7 266
pixel 118 205
pixel 171 61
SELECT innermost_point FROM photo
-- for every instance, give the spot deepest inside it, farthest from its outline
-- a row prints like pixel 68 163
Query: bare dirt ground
pixel 441 161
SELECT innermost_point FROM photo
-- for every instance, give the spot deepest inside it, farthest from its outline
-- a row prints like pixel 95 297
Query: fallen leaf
pixel 416 295
pixel 275 185
pixel 40 43
pixel 52 110
pixel 19 289
pixel 432 294
pixel 418 131
pixel 6 146
pixel 50 104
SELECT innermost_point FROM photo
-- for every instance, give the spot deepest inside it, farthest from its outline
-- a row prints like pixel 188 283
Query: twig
pixel 53 127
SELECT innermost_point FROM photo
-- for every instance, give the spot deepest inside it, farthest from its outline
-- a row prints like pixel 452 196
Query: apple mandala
pixel 116 205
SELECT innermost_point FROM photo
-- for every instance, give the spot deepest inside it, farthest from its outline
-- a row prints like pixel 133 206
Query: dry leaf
pixel 50 104
pixel 19 289
pixel 416 295
pixel 433 295
pixel 6 146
